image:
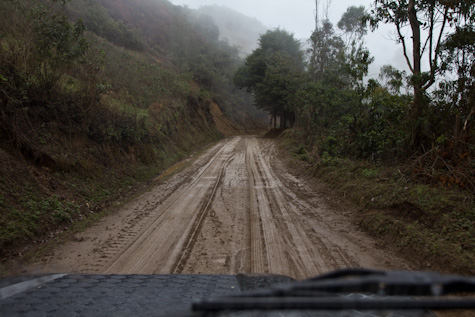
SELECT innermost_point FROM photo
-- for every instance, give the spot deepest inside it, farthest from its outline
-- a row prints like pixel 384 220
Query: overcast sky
pixel 297 16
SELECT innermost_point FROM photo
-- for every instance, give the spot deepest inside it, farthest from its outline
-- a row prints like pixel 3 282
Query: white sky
pixel 297 16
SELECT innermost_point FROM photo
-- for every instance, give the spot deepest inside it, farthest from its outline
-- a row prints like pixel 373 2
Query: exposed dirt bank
pixel 235 209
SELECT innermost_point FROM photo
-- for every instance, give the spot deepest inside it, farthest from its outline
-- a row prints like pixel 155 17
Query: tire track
pixel 238 211
pixel 288 248
pixel 270 257
pixel 159 246
pixel 256 246
pixel 180 263
pixel 144 214
pixel 275 238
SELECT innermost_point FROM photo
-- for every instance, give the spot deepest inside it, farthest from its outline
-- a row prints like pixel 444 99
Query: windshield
pixel 279 141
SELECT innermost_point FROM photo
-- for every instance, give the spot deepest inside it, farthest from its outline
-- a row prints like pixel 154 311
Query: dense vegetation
pixel 427 114
pixel 96 96
pixel 404 144
pixel 272 72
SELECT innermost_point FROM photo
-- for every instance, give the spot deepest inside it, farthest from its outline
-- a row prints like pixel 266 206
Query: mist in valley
pixel 234 27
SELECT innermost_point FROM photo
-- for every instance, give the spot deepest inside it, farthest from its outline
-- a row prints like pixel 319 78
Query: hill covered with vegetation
pixel 97 96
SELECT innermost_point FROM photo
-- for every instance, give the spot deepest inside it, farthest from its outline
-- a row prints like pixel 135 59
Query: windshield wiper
pixel 355 289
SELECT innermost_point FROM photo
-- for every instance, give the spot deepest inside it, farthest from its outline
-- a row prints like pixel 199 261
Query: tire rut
pixel 159 246
pixel 236 209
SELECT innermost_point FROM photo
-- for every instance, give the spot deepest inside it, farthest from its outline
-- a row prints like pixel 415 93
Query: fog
pixel 298 17
pixel 238 29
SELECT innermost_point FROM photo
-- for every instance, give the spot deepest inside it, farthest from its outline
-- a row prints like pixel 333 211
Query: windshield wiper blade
pixel 329 303
pixel 386 283
pixel 389 290
pixel 402 283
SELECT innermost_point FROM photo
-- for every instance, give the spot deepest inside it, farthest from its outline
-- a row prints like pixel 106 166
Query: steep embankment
pixel 90 109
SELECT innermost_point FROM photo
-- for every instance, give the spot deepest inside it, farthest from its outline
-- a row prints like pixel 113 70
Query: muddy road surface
pixel 235 209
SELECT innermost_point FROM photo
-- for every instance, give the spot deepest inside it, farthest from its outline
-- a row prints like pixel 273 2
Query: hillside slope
pixel 92 107
pixel 238 29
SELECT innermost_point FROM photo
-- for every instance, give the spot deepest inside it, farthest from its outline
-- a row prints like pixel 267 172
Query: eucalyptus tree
pixel 393 78
pixel 429 22
pixel 352 23
pixel 458 56
pixel 326 52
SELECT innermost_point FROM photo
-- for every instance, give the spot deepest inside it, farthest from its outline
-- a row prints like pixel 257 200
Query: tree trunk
pixel 292 119
pixel 457 127
pixel 417 117
pixel 283 120
pixel 417 83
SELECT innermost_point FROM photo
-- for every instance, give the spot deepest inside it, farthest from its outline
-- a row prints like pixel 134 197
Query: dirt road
pixel 235 209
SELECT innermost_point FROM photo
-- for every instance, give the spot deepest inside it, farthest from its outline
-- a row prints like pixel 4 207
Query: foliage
pixel 394 78
pixel 352 22
pixel 378 132
pixel 34 67
pixel 326 53
pixel 344 115
pixel 456 95
pixel 98 20
pixel 435 20
pixel 273 72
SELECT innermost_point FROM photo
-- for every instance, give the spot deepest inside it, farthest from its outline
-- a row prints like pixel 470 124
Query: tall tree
pixel 326 52
pixel 354 26
pixel 352 23
pixel 272 72
pixel 429 22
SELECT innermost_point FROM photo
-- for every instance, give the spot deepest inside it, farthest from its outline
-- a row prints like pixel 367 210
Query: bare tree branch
pixel 434 62
pixel 468 119
pixel 403 42
pixel 431 32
